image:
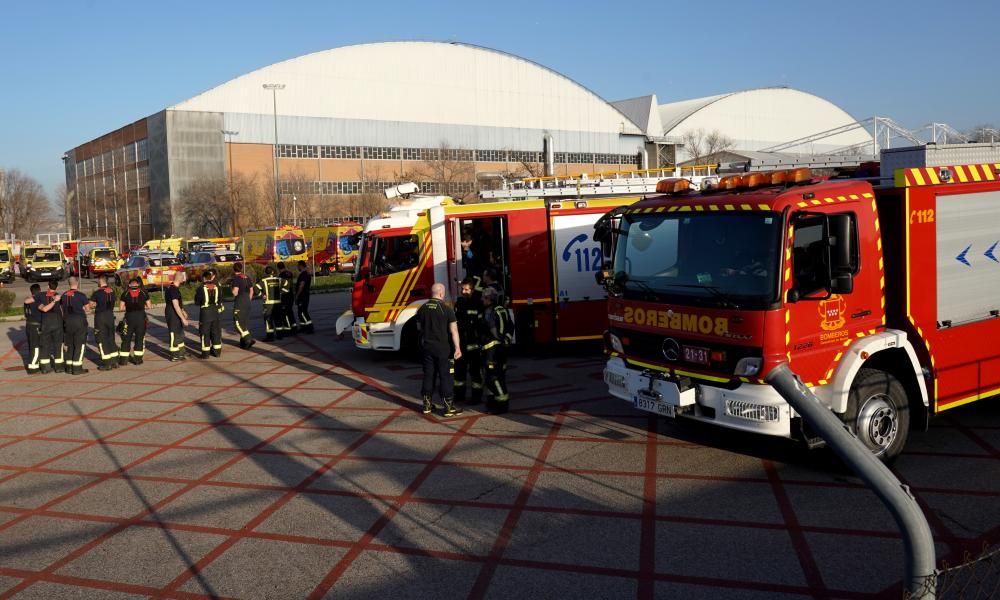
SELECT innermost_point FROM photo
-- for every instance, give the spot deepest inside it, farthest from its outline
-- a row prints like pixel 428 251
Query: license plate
pixel 695 354
pixel 45 273
pixel 654 405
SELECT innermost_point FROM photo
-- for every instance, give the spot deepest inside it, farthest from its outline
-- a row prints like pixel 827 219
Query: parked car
pixel 153 270
pixel 199 262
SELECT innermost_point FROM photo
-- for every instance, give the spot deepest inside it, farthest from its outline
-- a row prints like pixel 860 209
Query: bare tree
pixel 204 206
pixel 23 204
pixel 445 170
pixel 701 146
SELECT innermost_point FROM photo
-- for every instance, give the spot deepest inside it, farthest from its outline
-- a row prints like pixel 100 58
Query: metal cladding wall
pixel 195 151
pixel 759 118
pixel 396 134
pixel 159 175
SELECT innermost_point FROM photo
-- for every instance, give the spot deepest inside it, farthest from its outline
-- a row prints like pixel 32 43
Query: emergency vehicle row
pixel 325 247
pixel 884 299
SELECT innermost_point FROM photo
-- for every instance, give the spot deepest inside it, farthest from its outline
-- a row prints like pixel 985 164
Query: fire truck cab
pixel 541 251
pixel 885 301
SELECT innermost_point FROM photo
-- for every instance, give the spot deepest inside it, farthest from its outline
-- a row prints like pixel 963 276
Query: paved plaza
pixel 304 468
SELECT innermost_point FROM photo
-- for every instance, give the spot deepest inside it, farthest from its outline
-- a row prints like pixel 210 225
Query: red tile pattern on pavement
pixel 315 478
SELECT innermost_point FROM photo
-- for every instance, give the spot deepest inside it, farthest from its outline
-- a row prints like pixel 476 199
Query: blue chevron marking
pixel 961 256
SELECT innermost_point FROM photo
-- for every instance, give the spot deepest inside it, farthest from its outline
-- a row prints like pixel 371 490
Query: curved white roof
pixel 419 82
pixel 763 117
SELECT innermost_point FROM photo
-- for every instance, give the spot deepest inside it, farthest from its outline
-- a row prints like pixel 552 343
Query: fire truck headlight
pixel 748 367
pixel 615 343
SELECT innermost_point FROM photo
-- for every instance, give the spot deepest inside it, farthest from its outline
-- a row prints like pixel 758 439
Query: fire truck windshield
pixel 723 259
pixel 392 253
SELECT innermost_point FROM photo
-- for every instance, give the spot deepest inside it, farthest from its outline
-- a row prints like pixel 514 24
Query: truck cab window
pixel 392 254
pixel 814 245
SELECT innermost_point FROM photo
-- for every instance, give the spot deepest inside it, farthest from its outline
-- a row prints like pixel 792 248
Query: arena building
pixel 342 124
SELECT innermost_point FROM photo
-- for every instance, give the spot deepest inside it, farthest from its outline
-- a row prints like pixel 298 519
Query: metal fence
pixel 977 577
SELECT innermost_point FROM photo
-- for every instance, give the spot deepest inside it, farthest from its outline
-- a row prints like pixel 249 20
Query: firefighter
pixel 302 287
pixel 74 305
pixel 468 311
pixel 52 330
pixel 135 302
pixel 208 298
pixel 102 301
pixel 287 325
pixel 33 327
pixel 243 292
pixel 176 317
pixel 438 330
pixel 269 289
pixel 490 280
pixel 497 334
pixel 472 262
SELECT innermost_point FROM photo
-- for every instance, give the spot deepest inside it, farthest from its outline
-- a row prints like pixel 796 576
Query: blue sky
pixel 75 70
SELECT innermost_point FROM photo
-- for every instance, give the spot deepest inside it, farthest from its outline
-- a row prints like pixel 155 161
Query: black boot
pixel 122 361
pixel 80 371
pixel 428 405
pixel 45 369
pixel 203 355
pixel 450 410
pixel 105 365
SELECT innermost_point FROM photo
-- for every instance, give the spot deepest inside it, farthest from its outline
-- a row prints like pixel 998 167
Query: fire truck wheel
pixel 878 413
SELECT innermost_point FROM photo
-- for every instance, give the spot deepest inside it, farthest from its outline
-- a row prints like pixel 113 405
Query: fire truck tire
pixel 878 413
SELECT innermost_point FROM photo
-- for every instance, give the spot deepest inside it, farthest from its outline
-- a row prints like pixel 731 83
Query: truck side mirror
pixel 604 276
pixel 842 283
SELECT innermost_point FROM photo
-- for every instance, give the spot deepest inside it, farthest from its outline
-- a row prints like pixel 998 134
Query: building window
pixel 141 151
pixel 346 152
pixel 129 150
pixel 491 155
pixel 382 153
pixel 143 177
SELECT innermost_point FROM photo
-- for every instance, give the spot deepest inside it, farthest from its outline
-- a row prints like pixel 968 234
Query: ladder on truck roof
pixel 609 183
pixel 832 161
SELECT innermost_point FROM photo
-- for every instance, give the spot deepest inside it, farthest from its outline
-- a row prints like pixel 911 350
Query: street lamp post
pixel 232 192
pixel 274 87
pixel 295 217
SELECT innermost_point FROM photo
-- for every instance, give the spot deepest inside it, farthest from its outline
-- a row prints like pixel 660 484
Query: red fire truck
pixel 541 249
pixel 884 300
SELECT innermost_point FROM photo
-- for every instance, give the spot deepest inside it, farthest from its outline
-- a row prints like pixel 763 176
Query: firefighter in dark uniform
pixel 242 295
pixel 440 347
pixel 75 304
pixel 497 335
pixel 33 327
pixel 287 324
pixel 208 298
pixel 176 318
pixel 52 330
pixel 468 311
pixel 302 286
pixel 269 289
pixel 103 303
pixel 135 302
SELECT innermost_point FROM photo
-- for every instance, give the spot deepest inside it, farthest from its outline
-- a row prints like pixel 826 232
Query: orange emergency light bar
pixel 674 185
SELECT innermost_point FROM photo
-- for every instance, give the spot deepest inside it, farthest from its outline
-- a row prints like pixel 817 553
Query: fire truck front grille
pixel 649 347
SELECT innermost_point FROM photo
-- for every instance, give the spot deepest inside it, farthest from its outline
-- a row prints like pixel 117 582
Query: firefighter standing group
pixel 466 347
pixel 56 324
